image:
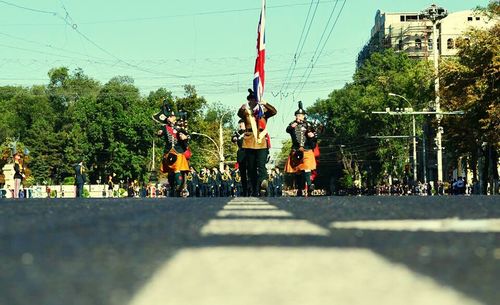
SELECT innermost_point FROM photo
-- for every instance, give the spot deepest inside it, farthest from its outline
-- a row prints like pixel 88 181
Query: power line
pixel 296 55
pixel 216 12
pixel 74 26
pixel 324 44
pixel 29 9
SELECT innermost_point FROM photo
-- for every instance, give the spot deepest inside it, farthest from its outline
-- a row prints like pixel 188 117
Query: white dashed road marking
pixel 253 275
pixel 434 225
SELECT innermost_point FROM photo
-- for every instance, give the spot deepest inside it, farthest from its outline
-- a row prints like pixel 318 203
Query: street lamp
pixel 213 141
pixel 414 136
pixel 435 13
pixel 221 140
pixel 220 146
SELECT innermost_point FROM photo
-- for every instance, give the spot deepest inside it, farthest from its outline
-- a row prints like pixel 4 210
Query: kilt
pixel 306 163
pixel 174 162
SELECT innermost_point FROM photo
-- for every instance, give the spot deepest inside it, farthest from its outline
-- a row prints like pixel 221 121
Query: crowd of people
pixel 457 186
pixel 249 176
pixel 207 183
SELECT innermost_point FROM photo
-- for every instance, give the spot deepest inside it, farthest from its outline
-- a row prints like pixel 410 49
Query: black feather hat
pixel 300 110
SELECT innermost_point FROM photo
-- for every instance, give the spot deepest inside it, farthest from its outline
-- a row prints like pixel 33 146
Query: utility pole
pixel 435 13
pixel 220 146
pixel 409 111
pixel 221 140
pixel 414 137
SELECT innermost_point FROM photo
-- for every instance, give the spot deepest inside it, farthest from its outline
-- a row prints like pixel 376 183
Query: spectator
pixel 80 178
pixel 18 175
pixel 111 186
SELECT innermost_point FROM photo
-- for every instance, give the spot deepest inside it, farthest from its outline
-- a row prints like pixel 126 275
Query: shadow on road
pixel 103 251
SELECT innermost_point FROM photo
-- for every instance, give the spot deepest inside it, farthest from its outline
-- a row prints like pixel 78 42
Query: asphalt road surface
pixel 242 251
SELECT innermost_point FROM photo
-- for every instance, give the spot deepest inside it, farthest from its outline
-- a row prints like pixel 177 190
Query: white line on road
pixel 281 275
pixel 253 275
pixel 433 225
pixel 251 208
pixel 262 227
pixel 253 213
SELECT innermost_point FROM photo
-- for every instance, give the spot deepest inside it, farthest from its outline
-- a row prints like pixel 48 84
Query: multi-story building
pixel 409 32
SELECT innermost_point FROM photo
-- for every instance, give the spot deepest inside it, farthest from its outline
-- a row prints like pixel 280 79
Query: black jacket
pixel 18 171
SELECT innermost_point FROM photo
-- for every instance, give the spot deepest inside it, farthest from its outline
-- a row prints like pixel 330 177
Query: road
pixel 321 250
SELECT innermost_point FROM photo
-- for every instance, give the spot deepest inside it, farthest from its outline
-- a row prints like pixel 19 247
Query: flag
pixel 259 74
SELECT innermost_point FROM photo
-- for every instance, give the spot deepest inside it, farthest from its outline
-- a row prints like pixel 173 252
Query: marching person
pixel 216 182
pixel 301 160
pixel 278 182
pixel 240 158
pixel 18 174
pixel 192 180
pixel 204 183
pixel 176 153
pixel 227 182
pixel 237 189
pixel 256 141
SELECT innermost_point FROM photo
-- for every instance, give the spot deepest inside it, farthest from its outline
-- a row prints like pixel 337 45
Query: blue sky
pixel 209 44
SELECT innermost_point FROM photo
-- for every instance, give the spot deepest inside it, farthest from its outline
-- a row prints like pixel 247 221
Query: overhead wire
pixel 296 54
pixel 74 26
pixel 313 63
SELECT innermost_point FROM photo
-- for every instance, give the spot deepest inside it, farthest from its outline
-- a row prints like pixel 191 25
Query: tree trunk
pixel 483 169
pixel 493 171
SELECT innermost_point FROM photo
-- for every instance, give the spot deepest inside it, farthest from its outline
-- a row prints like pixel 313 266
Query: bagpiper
pixel 301 160
pixel 256 141
pixel 176 153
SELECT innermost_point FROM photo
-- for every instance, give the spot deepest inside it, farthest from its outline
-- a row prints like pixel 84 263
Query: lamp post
pixel 221 140
pixel 220 146
pixel 220 156
pixel 435 13
pixel 414 136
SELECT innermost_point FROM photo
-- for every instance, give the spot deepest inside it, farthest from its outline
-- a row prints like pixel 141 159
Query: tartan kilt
pixel 295 164
pixel 174 161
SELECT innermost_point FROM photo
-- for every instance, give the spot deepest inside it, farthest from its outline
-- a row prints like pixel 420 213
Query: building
pixel 409 32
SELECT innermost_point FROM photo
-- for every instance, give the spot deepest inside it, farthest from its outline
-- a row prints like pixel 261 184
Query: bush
pixel 29 182
pixel 69 180
pixel 86 193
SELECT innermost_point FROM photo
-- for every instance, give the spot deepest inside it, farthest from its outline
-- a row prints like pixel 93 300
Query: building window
pixel 411 18
pixel 418 44
pixel 469 18
pixel 429 44
pixel 478 18
pixel 400 45
pixel 402 18
pixel 450 43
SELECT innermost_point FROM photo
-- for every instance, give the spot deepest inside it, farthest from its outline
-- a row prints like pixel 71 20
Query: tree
pixel 346 113
pixel 470 83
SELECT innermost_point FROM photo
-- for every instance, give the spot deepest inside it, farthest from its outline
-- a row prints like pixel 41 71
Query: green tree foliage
pixel 346 113
pixel 470 83
pixel 109 126
pixel 204 150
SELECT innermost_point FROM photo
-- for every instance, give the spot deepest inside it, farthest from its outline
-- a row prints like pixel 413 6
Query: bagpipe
pixel 226 176
pixel 182 123
pixel 237 177
pixel 315 126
